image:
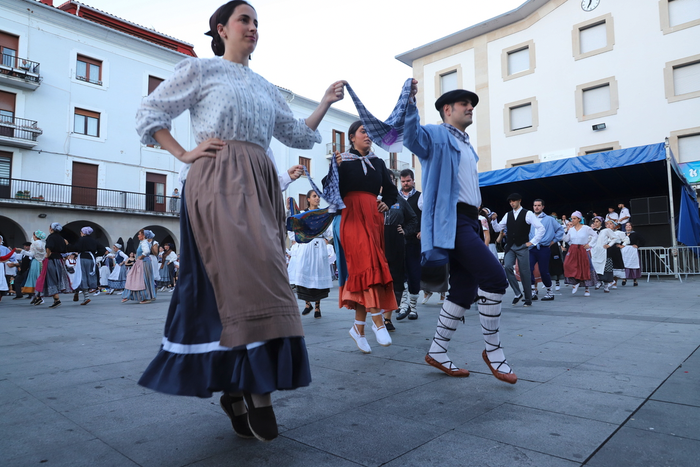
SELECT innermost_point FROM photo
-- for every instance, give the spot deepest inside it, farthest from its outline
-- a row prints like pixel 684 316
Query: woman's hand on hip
pixel 381 206
pixel 207 148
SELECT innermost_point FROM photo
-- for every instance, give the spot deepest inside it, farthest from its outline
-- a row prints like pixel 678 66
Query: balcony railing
pixel 21 128
pixel 18 67
pixel 100 198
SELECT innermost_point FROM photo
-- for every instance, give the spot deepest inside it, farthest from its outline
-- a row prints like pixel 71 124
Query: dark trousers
pixel 472 265
pixel 20 279
pixel 520 253
pixel 413 267
pixel 541 257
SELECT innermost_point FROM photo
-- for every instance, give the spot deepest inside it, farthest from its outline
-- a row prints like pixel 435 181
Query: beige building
pixel 564 78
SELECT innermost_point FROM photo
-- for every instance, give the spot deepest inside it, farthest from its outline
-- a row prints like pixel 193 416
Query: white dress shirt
pixel 530 218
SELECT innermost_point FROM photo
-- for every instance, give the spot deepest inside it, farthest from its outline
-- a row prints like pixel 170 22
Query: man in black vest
pixel 517 224
pixel 411 195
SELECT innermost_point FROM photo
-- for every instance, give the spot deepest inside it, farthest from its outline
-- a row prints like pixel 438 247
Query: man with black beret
pixel 517 224
pixel 450 228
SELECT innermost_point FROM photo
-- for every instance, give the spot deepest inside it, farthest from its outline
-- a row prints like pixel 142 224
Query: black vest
pixel 413 202
pixel 518 229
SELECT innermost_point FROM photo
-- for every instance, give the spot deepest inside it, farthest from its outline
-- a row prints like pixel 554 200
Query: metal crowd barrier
pixel 668 261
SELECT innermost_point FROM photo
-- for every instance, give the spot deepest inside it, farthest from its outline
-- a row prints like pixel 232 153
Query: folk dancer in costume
pixel 311 273
pixel 245 337
pixel 368 287
pixel 56 279
pixel 38 252
pixel 630 254
pixel 578 267
pixel 117 278
pixel 409 193
pixel 400 224
pixel 518 223
pixel 140 282
pixel 87 248
pixel 450 222
pixel 540 254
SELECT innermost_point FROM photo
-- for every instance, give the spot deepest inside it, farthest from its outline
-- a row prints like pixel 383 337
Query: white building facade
pixel 564 78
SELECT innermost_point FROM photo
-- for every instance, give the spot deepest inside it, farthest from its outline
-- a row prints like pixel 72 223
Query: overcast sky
pixel 305 45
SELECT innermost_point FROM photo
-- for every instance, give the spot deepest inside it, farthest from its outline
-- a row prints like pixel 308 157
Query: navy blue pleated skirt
pixel 191 362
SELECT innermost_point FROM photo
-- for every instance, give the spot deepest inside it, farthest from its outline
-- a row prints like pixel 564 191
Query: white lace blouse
pixel 584 236
pixel 226 100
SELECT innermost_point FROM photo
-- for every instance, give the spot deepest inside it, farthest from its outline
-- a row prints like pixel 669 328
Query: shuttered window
pixel 87 123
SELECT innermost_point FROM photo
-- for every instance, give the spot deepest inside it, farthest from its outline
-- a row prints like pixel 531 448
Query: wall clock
pixel 589 5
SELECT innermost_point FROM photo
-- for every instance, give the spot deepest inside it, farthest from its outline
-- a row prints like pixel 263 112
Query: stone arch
pixel 12 233
pixel 71 232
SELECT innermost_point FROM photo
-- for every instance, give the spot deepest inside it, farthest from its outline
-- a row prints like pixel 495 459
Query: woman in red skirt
pixel 369 287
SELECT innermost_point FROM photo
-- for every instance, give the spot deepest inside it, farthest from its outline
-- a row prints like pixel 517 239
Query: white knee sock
pixel 450 315
pixel 413 301
pixel 490 317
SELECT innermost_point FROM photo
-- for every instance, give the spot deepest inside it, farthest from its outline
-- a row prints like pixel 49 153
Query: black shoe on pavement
pixel 56 304
pixel 401 314
pixel 517 299
pixel 527 303
pixel 534 297
pixel 389 325
pixel 413 315
pixel 548 297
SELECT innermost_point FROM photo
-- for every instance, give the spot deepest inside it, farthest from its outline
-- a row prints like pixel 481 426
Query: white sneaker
pixel 586 294
pixel 96 294
pixel 574 289
pixel 382 335
pixel 556 287
pixel 361 341
pixel 426 297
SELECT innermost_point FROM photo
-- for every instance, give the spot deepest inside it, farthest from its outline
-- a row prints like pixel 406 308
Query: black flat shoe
pixel 262 421
pixel 389 325
pixel 317 314
pixel 307 310
pixel 239 422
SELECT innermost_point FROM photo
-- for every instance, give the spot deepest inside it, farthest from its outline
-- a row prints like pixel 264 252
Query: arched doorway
pixel 71 232
pixel 12 233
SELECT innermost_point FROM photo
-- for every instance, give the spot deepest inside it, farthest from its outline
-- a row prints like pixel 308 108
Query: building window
pixel 8 47
pixel 518 60
pixel 678 14
pixel 306 162
pixel 522 161
pixel 89 69
pixel 5 166
pixel 393 161
pixel 414 161
pixel 593 37
pixel 448 79
pixel 153 83
pixel 86 123
pixel 689 148
pixel 520 117
pixel 605 147
pixel 596 99
pixel 682 79
pixel 685 144
pixel 7 114
pixel 302 203
pixel 338 141
pixel 84 183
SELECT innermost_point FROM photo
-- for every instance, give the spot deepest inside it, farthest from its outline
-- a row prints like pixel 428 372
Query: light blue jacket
pixel 439 154
pixel 553 231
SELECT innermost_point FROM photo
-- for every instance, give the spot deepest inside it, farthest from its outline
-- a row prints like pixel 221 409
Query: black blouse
pixel 56 244
pixel 353 178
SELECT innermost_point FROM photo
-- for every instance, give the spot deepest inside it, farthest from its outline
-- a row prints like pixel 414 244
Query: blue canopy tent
pixel 596 181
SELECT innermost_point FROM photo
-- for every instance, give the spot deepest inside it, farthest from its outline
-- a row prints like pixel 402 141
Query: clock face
pixel 589 5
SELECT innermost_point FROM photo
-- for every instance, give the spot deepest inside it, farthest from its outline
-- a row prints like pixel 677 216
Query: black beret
pixel 457 95
pixel 514 197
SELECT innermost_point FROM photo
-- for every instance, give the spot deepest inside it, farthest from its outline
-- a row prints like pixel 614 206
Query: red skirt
pixel 369 280
pixel 577 265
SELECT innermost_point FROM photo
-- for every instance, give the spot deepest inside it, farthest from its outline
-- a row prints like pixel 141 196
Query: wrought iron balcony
pixel 18 132
pixel 28 192
pixel 19 72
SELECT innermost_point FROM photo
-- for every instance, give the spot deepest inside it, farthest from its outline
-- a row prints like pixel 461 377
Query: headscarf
pixel 118 245
pixel 576 214
pixel 602 221
pixel 148 234
pixel 87 230
pixel 40 235
pixel 56 227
